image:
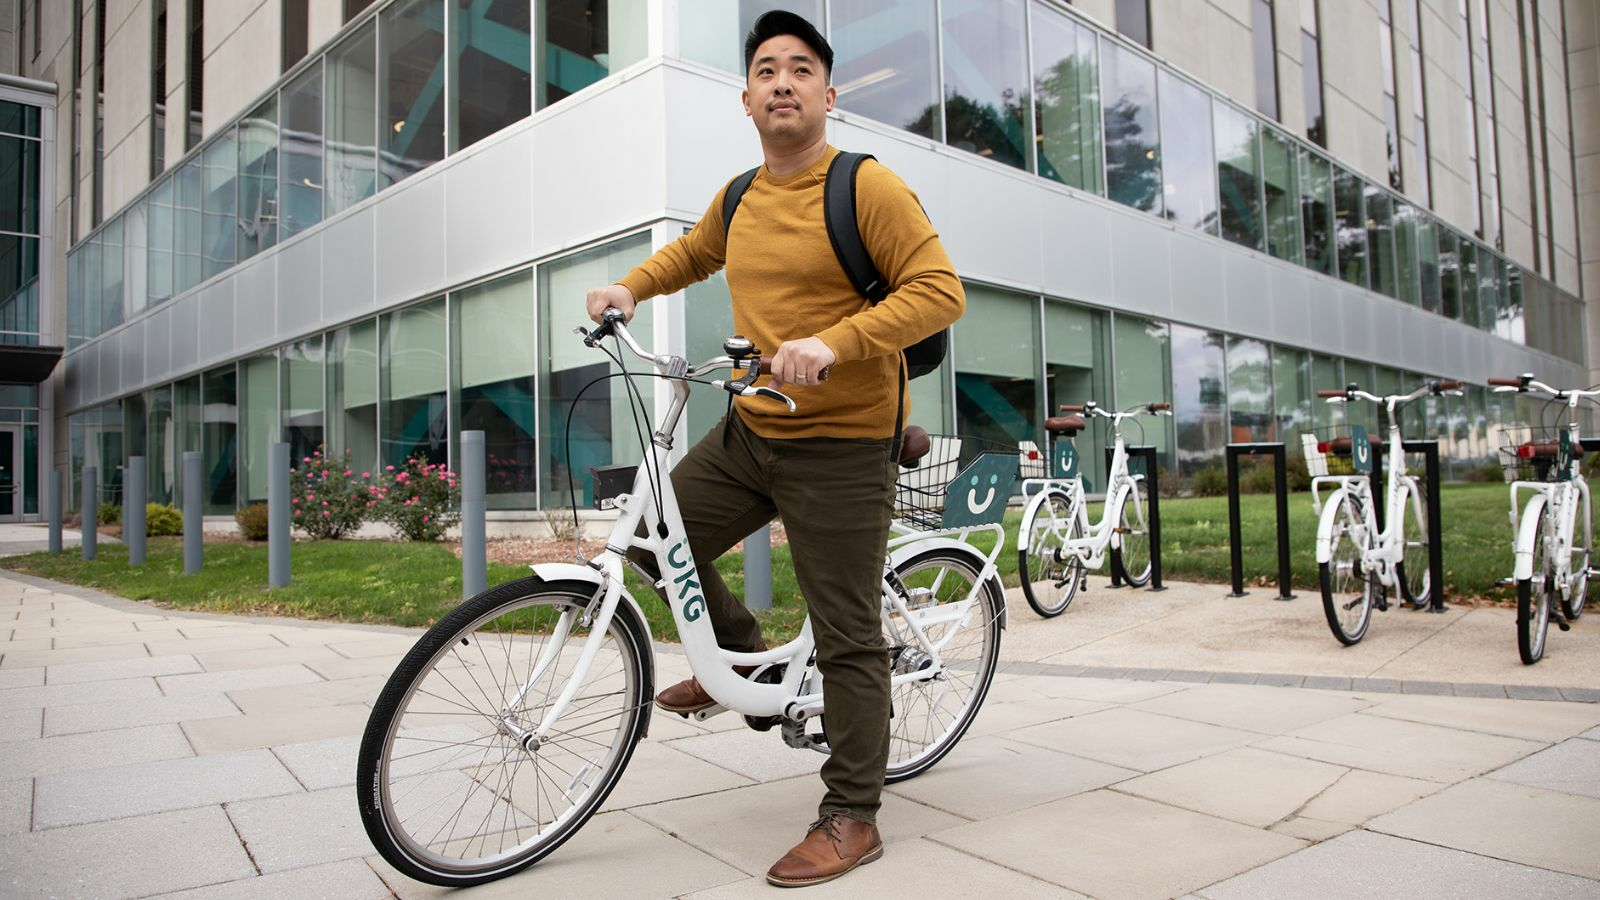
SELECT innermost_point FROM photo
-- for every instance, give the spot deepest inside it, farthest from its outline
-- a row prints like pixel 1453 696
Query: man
pixel 827 468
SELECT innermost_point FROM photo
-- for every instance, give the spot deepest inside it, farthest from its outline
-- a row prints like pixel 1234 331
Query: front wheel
pixel 960 616
pixel 1348 590
pixel 1130 556
pixel 1533 592
pixel 1050 571
pixel 453 787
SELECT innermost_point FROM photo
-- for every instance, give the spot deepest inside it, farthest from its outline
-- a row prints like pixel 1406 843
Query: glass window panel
pixel 30 470
pixel 1380 240
pixel 885 57
pixel 412 132
pixel 1238 177
pixel 258 180
pixel 1133 20
pixel 1317 213
pixel 708 318
pixel 110 242
pixel 493 86
pixel 161 444
pixel 186 228
pixel 1142 353
pixel 414 384
pixel 94 289
pixel 602 422
pixel 713 31
pixel 1190 174
pixel 303 385
pixel 261 424
pixel 221 204
pixel 585 40
pixel 1471 312
pixel 19 289
pixel 1066 101
pixel 1311 69
pixel 76 324
pixel 985 78
pixel 105 449
pixel 135 256
pixel 997 365
pixel 1264 44
pixel 75 453
pixel 159 219
pixel 1511 322
pixel 220 429
pixel 496 364
pixel 133 430
pixel 1408 262
pixel 1326 376
pixel 351 121
pixel 19 185
pixel 300 152
pixel 1200 399
pixel 19 118
pixel 353 395
pixel 1292 398
pixel 1075 372
pixel 189 433
pixel 1252 416
pixel 1491 271
pixel 1428 262
pixel 1351 225
pixel 1278 166
pixel 1450 272
pixel 1133 147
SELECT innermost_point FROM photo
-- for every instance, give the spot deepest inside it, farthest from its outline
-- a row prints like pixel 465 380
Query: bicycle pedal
pixel 1560 620
pixel 1506 582
pixel 700 715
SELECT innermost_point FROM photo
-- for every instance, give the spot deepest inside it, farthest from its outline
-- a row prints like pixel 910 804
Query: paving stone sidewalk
pixel 1141 745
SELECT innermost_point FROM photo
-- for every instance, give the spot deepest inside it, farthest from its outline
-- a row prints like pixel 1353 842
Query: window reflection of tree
pixel 979 128
pixel 1066 115
pixel 1133 162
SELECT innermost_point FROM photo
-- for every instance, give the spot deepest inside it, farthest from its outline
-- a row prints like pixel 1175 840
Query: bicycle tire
pixel 924 727
pixel 435 715
pixel 1533 592
pixel 1345 587
pixel 1577 593
pixel 1130 558
pixel 1049 582
pixel 1412 572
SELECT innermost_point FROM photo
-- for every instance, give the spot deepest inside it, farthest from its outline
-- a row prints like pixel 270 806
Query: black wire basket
pixel 1327 450
pixel 921 493
pixel 1528 452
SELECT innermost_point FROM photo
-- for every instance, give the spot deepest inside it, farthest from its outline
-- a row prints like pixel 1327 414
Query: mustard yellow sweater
pixel 787 284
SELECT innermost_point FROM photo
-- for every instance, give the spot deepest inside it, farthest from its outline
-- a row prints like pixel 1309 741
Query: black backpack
pixel 839 211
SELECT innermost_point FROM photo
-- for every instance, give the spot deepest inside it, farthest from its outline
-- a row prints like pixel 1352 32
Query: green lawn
pixel 414 583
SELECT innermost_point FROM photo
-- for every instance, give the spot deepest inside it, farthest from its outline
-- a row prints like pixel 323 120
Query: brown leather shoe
pixel 834 845
pixel 688 696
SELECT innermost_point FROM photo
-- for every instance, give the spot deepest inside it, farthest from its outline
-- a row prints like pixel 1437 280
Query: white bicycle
pixel 507 725
pixel 1057 544
pixel 1552 559
pixel 1358 561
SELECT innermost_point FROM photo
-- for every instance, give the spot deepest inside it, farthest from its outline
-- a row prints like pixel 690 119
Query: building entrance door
pixel 10 473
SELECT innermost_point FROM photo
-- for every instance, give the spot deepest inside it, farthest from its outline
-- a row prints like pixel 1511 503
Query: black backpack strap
pixel 839 211
pixel 730 200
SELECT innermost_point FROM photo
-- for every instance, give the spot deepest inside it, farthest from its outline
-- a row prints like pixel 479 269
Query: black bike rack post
pixel 1147 452
pixel 1235 540
pixel 1430 456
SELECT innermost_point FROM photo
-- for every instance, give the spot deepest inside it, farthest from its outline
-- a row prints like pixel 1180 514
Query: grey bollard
pixel 277 515
pixel 89 506
pixel 758 569
pixel 133 524
pixel 53 501
pixel 474 562
pixel 193 511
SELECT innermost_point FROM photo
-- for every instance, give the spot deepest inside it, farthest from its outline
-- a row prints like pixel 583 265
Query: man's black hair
pixel 779 21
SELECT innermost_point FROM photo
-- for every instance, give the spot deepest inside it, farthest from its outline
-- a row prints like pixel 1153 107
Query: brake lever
pixel 769 392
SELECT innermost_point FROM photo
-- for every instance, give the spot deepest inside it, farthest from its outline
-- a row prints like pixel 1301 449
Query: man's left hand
pixel 798 363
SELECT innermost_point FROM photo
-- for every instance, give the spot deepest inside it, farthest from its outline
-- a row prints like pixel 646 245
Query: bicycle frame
pixel 1103 535
pixel 712 665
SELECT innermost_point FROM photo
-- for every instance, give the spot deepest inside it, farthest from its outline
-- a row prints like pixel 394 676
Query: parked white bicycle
pixel 1057 545
pixel 1358 561
pixel 1552 552
pixel 507 725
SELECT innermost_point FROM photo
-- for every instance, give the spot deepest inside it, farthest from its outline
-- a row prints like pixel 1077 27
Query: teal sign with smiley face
pixel 979 492
pixel 1360 449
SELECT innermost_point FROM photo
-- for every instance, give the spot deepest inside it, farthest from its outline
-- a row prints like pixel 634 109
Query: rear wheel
pixel 960 616
pixel 1413 572
pixel 1577 593
pixel 1533 592
pixel 1050 573
pixel 1131 556
pixel 1348 590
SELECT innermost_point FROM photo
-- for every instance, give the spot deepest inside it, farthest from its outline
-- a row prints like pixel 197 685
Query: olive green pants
pixel 835 496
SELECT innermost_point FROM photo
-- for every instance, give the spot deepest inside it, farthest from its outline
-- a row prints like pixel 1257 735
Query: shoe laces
pixel 829 825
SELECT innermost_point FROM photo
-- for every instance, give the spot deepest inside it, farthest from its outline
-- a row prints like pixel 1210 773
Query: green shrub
pixel 1257 479
pixel 252 521
pixel 1211 481
pixel 161 520
pixel 1299 475
pixel 420 501
pixel 108 514
pixel 329 500
pixel 1169 482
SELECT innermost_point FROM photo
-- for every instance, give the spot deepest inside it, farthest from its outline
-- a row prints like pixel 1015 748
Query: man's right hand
pixel 612 296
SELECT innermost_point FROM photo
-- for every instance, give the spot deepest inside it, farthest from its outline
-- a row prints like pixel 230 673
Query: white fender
pixel 1330 511
pixel 979 561
pixel 1527 536
pixel 1028 509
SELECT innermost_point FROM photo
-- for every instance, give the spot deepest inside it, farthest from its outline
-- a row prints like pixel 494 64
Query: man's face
pixel 786 92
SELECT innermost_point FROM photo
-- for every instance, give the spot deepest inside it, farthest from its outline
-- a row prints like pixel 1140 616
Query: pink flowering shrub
pixel 328 498
pixel 420 500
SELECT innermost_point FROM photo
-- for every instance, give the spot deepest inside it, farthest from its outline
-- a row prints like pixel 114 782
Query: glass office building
pixel 392 246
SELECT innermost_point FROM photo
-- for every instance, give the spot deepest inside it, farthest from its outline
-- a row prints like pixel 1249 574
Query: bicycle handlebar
pixel 1526 383
pixel 615 323
pixel 1508 382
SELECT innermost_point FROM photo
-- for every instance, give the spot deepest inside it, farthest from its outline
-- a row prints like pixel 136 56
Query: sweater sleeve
pixel 925 294
pixel 696 256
